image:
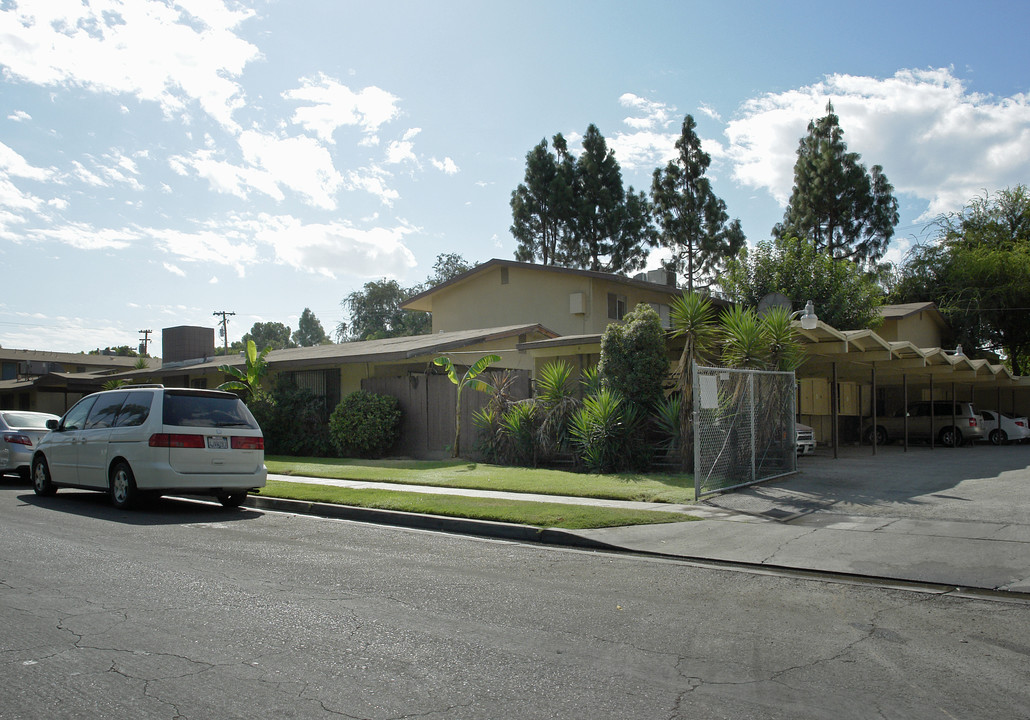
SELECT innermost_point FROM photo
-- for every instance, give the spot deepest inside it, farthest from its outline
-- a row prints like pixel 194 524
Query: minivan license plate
pixel 217 443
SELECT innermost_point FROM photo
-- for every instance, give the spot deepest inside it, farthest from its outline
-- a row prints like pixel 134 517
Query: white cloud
pixel 19 116
pixel 650 115
pixel 221 246
pixel 934 139
pixel 400 151
pixel 446 165
pixel 172 54
pixel 11 163
pixel 299 163
pixel 334 249
pixel 330 105
pixel 174 269
pixel 85 237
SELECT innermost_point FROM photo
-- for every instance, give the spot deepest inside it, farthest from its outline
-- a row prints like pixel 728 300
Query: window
pixel 105 409
pixel 75 418
pixel 504 276
pixel 135 409
pixel 616 306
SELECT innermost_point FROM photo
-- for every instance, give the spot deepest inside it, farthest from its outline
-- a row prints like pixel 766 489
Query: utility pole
pixel 145 342
pixel 224 323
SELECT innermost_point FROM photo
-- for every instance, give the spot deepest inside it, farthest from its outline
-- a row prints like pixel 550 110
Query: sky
pixel 163 161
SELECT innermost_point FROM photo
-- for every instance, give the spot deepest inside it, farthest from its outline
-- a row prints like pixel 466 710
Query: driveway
pixel 979 483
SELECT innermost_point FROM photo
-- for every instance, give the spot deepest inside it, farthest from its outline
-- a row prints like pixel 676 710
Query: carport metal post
pixel 998 413
pixel 904 395
pixel 873 400
pixel 933 437
pixel 834 436
pixel 954 415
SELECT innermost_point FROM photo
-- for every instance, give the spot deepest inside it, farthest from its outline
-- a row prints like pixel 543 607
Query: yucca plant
pixel 556 401
pixel 745 342
pixel 602 429
pixel 667 420
pixel 693 318
pixel 519 428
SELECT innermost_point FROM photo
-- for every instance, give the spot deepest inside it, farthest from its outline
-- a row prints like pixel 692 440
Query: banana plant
pixel 249 379
pixel 469 379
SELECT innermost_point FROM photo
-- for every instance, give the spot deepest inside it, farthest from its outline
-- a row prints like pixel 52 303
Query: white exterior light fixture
pixel 809 320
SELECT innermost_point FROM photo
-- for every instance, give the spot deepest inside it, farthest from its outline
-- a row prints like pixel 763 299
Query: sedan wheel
pixel 123 486
pixel 41 483
pixel 998 437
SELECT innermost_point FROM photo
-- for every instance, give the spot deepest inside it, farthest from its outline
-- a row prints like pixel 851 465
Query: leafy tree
pixel 543 206
pixel 634 361
pixel 469 379
pixel 846 211
pixel 269 335
pixel 119 351
pixel 693 220
pixel 375 313
pixel 447 267
pixel 978 273
pixel 844 296
pixel 612 228
pixel 247 380
pixel 375 310
pixel 309 331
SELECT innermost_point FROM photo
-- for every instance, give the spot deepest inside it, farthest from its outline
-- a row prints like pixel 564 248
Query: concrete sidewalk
pixel 798 523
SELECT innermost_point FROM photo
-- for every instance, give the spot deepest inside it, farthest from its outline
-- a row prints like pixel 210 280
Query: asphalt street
pixel 185 610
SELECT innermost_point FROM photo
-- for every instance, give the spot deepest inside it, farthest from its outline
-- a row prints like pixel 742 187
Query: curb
pixel 551 536
pixel 438 523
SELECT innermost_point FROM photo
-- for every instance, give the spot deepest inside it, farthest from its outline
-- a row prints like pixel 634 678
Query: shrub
pixel 365 424
pixel 293 420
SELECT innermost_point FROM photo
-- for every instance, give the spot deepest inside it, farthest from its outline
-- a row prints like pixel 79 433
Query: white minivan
pixel 154 440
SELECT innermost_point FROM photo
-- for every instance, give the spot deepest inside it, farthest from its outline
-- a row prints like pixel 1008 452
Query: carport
pixel 863 376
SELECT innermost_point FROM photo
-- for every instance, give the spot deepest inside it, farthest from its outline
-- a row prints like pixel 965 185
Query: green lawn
pixel 539 514
pixel 670 488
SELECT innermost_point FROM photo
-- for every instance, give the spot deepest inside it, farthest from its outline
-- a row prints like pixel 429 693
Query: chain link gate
pixel 743 427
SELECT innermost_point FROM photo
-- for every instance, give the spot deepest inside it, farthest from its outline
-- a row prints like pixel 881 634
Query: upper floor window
pixel 616 306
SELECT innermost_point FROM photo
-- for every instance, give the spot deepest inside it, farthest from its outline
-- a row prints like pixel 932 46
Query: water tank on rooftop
pixel 187 342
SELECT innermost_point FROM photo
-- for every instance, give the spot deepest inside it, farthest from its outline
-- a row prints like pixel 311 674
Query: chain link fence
pixel 743 427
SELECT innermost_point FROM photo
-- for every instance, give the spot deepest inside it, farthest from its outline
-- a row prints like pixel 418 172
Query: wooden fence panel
pixel 427 403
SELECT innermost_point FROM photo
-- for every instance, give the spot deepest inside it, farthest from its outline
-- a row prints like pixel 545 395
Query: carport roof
pixel 858 352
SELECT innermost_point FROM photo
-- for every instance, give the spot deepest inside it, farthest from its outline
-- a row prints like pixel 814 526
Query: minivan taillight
pixel 176 440
pixel 240 442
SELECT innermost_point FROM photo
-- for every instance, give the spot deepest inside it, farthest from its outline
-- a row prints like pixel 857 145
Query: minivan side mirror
pixel 53 424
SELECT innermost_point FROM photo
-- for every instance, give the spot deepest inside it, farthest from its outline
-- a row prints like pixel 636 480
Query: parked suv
pixel 154 440
pixel 967 425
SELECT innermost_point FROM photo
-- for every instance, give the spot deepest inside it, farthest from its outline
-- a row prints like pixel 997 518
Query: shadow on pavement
pixel 980 482
pixel 149 511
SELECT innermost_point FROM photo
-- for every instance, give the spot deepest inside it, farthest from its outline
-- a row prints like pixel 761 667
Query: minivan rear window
pixel 187 409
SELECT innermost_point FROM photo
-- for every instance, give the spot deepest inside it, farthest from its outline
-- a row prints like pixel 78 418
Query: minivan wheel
pixel 232 500
pixel 998 437
pixel 41 483
pixel 949 437
pixel 123 486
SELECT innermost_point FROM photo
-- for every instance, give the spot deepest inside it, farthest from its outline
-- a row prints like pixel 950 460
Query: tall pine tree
pixel 693 220
pixel 846 211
